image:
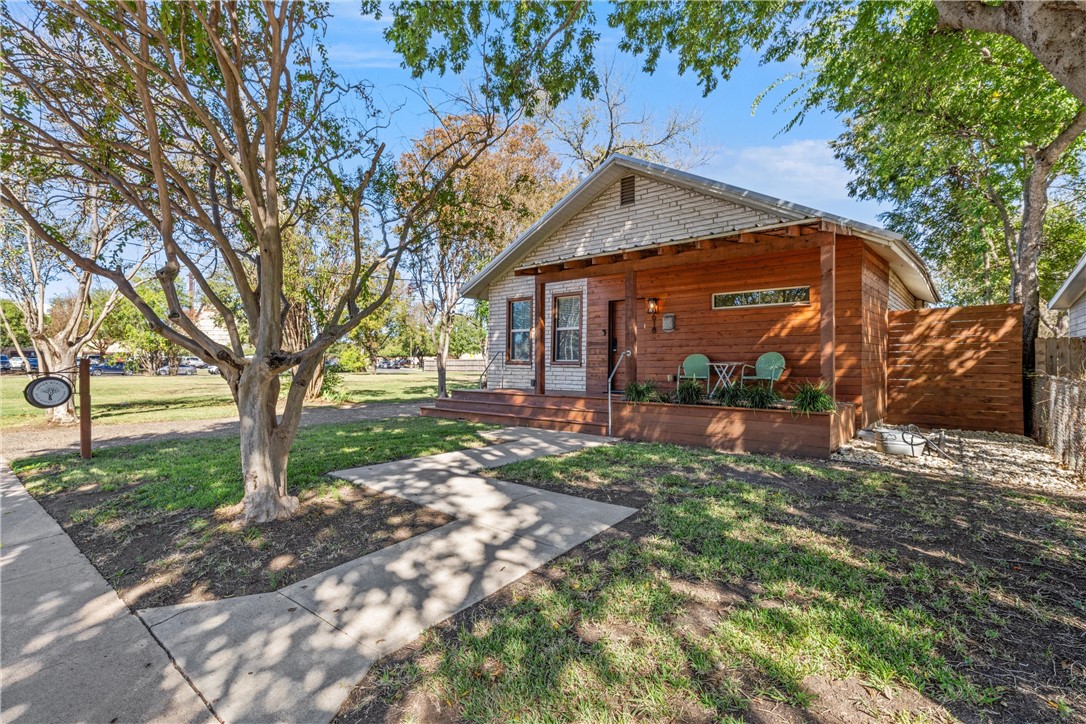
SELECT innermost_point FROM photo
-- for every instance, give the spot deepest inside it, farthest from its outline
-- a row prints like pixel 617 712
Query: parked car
pixel 182 369
pixel 213 369
pixel 5 363
pixel 193 362
pixel 114 369
pixel 18 366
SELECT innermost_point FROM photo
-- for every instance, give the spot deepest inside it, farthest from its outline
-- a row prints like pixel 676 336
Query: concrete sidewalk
pixel 294 655
pixel 70 649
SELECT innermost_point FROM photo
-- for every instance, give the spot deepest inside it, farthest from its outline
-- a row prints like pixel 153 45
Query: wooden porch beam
pixel 576 264
pixel 634 254
pixel 827 315
pixel 631 326
pixel 540 337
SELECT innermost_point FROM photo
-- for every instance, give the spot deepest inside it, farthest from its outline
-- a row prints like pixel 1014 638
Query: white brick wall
pixel 660 213
pixel 559 377
pixel 1077 317
pixel 900 297
pixel 501 291
pixel 566 377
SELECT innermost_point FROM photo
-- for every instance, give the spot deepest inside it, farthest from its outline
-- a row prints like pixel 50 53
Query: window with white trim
pixel 567 329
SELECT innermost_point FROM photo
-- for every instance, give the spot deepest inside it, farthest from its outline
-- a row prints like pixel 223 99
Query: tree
pixel 474 217
pixel 85 220
pixel 1050 29
pixel 223 126
pixel 591 130
pixel 14 324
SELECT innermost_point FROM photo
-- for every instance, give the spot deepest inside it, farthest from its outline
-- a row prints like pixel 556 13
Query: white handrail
pixel 621 359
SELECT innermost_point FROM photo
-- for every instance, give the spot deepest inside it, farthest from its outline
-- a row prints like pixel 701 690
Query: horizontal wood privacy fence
pixel 956 367
pixel 1059 419
pixel 1062 356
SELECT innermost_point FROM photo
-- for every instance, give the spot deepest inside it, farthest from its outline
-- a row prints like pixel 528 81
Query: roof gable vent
pixel 626 193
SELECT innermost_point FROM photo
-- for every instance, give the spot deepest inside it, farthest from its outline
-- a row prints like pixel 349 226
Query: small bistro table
pixel 724 372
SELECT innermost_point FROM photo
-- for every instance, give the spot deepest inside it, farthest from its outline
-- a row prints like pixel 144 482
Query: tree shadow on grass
pixel 792 589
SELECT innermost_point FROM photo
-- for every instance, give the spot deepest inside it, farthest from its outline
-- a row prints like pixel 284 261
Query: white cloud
pixel 802 171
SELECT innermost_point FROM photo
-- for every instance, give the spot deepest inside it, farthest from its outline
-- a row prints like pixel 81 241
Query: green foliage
pixel 811 397
pixel 759 397
pixel 689 392
pixel 642 391
pixel 729 395
pixel 349 358
pixel 467 337
pixel 18 325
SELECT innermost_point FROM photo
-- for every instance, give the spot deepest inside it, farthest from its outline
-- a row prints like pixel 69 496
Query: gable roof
pixel 1073 288
pixel 902 258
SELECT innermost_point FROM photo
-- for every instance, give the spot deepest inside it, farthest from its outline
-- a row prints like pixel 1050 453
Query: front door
pixel 616 332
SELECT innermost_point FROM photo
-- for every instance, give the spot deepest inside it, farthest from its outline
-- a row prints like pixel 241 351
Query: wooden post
pixel 631 326
pixel 540 337
pixel 84 409
pixel 827 316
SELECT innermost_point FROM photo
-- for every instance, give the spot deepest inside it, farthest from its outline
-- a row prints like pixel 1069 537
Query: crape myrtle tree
pixel 83 217
pixel 474 216
pixel 224 127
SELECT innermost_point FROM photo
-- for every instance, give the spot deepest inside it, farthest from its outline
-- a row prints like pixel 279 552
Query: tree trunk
pixel 442 356
pixel 1035 204
pixel 265 447
pixel 50 364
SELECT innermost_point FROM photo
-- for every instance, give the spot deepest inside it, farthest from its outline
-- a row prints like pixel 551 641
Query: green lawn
pixel 757 589
pixel 161 520
pixel 118 400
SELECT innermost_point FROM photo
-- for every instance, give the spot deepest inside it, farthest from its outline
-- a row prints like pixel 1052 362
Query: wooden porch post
pixel 631 326
pixel 540 337
pixel 827 316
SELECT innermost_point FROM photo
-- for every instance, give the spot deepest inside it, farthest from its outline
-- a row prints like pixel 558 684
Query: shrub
pixel 641 391
pixel 812 397
pixel 689 392
pixel 729 395
pixel 758 397
pixel 350 359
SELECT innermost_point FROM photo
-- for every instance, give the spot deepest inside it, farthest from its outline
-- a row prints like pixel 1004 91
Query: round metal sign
pixel 48 391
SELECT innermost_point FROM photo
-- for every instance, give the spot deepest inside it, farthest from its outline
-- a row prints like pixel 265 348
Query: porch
pixel 729 429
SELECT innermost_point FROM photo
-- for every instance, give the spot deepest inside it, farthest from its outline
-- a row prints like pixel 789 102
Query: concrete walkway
pixel 294 655
pixel 70 649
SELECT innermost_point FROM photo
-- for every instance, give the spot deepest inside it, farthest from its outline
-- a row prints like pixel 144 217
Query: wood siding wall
pixel 959 367
pixel 874 336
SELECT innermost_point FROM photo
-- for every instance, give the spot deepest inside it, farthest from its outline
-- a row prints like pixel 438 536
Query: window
pixel 567 329
pixel 519 331
pixel 762 298
pixel 626 191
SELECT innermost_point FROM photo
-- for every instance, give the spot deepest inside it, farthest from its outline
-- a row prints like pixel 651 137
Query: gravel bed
pixel 995 457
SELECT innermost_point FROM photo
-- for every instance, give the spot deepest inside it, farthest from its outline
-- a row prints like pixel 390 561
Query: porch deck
pixel 728 429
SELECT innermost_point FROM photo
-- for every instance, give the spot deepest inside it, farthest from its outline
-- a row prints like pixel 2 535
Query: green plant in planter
pixel 689 392
pixel 635 391
pixel 812 397
pixel 758 397
pixel 729 395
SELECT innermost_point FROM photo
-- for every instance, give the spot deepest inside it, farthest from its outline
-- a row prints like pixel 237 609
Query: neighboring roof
pixel 903 259
pixel 1072 289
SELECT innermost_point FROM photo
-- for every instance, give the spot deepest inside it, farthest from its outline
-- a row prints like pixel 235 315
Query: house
pixel 1072 298
pixel 665 263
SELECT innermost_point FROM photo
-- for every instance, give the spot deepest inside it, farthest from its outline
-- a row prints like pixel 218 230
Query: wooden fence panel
pixel 1059 419
pixel 1061 356
pixel 956 367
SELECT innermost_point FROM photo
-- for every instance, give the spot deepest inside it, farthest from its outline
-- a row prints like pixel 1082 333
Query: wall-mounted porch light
pixel 652 307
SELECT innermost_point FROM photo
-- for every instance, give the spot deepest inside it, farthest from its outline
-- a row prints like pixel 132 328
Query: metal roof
pixel 1072 289
pixel 893 247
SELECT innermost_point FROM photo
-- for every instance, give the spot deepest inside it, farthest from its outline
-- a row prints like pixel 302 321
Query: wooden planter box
pixel 736 429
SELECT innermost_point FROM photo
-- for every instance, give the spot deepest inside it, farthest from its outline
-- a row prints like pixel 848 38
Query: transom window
pixel 567 328
pixel 519 337
pixel 762 298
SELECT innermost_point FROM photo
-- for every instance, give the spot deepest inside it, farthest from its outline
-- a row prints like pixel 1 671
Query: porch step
pixel 497 418
pixel 571 401
pixel 552 411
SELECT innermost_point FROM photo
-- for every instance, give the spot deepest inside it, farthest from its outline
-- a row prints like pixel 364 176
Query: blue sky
pixel 748 147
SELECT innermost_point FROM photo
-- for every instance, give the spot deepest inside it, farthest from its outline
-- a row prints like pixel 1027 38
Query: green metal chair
pixel 768 368
pixel 694 367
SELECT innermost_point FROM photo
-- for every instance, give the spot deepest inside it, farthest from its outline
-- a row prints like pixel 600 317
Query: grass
pixel 161 521
pixel 121 400
pixel 750 586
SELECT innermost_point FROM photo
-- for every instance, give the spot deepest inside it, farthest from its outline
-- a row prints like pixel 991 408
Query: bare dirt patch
pixel 161 558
